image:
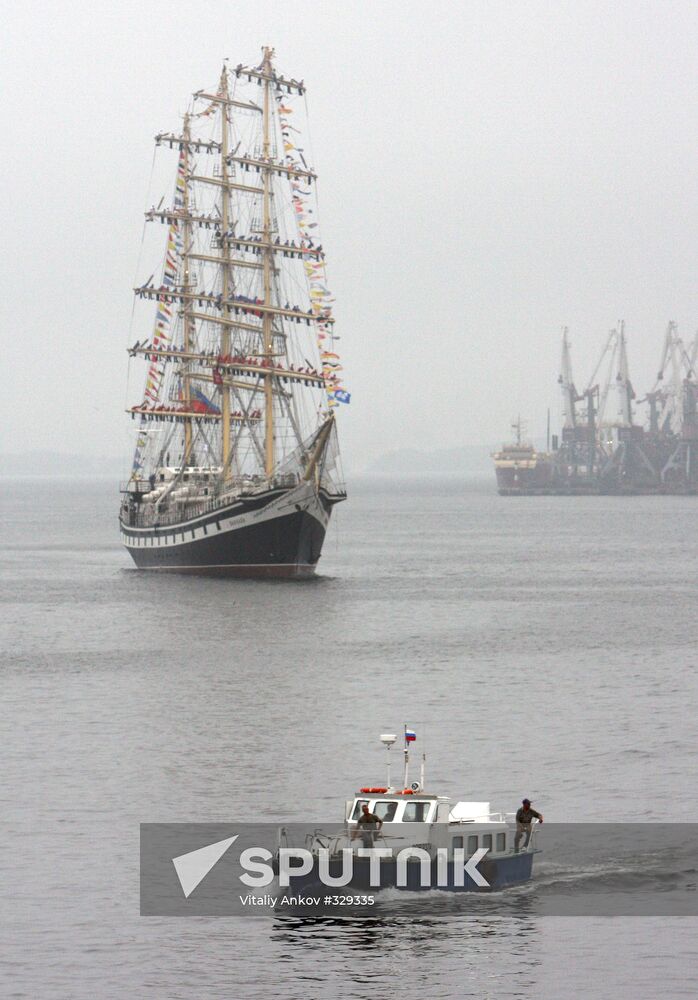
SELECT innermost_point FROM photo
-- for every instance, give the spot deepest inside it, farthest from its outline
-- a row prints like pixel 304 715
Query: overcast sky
pixel 489 172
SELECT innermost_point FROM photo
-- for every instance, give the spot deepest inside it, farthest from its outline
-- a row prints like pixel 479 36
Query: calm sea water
pixel 539 646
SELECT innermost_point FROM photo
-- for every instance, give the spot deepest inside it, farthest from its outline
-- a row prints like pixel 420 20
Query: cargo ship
pixel 520 469
pixel 602 449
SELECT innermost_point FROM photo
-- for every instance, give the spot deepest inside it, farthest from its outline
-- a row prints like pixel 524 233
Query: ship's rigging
pixel 243 362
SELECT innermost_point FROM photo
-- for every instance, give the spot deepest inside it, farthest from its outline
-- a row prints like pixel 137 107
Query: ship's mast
pixel 266 236
pixel 188 322
pixel 225 276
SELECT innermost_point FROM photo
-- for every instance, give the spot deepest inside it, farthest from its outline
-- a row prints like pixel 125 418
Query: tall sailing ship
pixel 236 463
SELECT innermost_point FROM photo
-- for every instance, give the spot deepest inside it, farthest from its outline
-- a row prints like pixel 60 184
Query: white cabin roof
pixel 470 811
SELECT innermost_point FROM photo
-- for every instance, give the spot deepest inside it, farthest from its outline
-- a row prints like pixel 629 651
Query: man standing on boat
pixel 524 817
pixel 367 826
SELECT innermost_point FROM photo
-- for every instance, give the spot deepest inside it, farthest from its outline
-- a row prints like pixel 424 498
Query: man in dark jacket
pixel 367 826
pixel 524 817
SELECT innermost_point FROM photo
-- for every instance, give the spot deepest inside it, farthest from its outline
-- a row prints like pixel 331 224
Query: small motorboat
pixel 424 841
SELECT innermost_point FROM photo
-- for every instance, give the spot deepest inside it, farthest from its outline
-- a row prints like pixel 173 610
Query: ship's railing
pixel 135 486
pixel 151 515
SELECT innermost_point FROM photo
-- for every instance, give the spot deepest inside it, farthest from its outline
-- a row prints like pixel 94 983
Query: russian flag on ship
pixel 410 736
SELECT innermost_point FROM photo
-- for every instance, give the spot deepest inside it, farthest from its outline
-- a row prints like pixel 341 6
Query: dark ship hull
pixel 277 533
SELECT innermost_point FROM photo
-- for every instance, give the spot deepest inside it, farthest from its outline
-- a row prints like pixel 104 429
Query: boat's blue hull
pixel 499 872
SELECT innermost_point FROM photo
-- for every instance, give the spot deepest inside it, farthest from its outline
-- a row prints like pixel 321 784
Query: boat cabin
pixel 396 808
pixel 417 818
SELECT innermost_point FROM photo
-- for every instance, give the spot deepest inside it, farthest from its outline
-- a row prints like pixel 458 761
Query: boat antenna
pixel 516 426
pixel 387 739
pixel 407 760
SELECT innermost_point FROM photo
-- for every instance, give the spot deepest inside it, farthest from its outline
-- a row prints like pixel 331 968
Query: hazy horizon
pixel 489 173
pixel 465 460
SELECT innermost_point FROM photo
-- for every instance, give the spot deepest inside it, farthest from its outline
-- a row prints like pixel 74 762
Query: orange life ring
pixel 374 791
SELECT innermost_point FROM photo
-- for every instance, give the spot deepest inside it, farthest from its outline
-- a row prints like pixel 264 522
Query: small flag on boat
pixel 410 736
pixel 342 396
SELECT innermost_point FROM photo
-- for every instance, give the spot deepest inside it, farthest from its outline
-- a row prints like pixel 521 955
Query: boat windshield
pixel 357 807
pixel 385 810
pixel 416 812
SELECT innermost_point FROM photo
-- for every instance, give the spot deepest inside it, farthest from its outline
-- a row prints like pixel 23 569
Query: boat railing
pixel 150 515
pixel 531 835
pixel 319 839
pixel 335 843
